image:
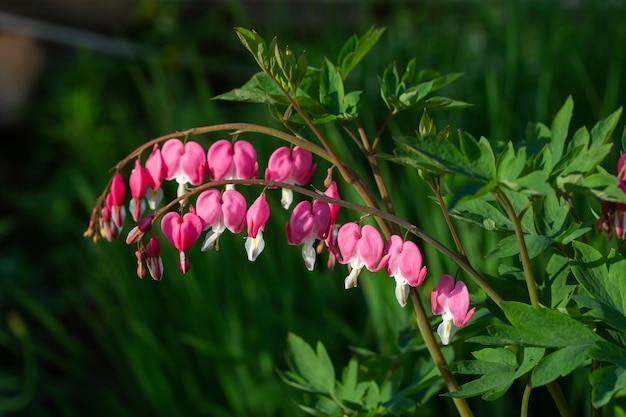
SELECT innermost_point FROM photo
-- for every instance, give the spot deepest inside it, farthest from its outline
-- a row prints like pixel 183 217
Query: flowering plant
pixel 533 194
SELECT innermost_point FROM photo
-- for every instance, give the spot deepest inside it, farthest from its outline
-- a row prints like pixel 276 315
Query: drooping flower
pixel 308 222
pixel 182 232
pixel 452 301
pixel 360 247
pixel 185 163
pixel 228 161
pixel 333 229
pixel 153 259
pixel 115 200
pixel 292 166
pixel 155 167
pixel 138 182
pixel 405 265
pixel 220 211
pixel 256 217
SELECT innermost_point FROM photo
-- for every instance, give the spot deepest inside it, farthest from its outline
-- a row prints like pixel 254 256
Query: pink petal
pixel 234 210
pixel 347 240
pixel 193 162
pixel 302 165
pixel 332 192
pixel 439 296
pixel 190 230
pixel 220 160
pixel 300 224
pixel 410 264
pixel 245 160
pixel 209 207
pixel 257 216
pixel 155 168
pixel 118 190
pixel 279 165
pixel 458 303
pixel 321 219
pixel 370 247
pixel 171 153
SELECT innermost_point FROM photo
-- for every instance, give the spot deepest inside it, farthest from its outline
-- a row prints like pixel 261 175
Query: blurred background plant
pixel 81 335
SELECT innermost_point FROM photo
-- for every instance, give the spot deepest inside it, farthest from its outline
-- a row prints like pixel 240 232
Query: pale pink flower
pixel 292 166
pixel 405 265
pixel 182 233
pixel 220 211
pixel 308 222
pixel 452 301
pixel 228 161
pixel 256 217
pixel 360 247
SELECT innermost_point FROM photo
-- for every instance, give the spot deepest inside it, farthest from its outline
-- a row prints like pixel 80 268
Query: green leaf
pixel 534 183
pixel 510 164
pixel 601 132
pixel 487 385
pixel 605 382
pixel 535 244
pixel 547 327
pixel 314 368
pixel 484 214
pixel 331 88
pixel 604 281
pixel 559 363
pixel 560 128
pixel 256 45
pixel 355 49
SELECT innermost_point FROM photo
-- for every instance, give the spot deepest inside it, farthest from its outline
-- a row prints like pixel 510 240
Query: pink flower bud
pixel 138 182
pixel 256 217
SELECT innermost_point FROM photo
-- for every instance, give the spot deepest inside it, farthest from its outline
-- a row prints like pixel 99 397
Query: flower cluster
pixel 209 210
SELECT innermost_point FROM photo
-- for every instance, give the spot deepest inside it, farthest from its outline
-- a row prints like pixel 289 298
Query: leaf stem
pixel 523 250
pixel 525 400
pixel 435 186
pixel 435 352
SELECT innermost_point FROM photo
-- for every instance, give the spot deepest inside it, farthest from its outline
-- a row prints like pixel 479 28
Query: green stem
pixel 435 352
pixel 525 400
pixel 435 187
pixel 559 399
pixel 553 387
pixel 523 250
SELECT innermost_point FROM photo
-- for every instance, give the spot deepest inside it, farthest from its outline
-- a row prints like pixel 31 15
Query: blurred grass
pixel 98 341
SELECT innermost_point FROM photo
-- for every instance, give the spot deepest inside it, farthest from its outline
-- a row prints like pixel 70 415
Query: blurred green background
pixel 81 335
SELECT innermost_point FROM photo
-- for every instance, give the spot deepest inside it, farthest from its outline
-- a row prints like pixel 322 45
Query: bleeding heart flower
pixel 228 161
pixel 452 301
pixel 307 223
pixel 220 211
pixel 405 265
pixel 256 217
pixel 182 233
pixel 360 247
pixel 292 166
pixel 185 163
